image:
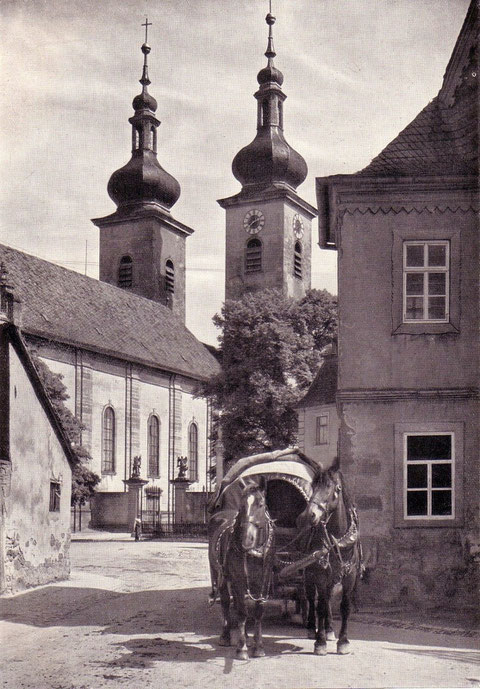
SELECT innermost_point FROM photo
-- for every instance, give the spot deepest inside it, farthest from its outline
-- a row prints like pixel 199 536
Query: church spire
pixel 269 160
pixel 143 180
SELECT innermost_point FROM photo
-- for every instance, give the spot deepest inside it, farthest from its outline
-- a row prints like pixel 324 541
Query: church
pixel 131 367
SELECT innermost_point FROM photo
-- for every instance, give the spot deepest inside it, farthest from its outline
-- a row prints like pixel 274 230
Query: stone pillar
pixel 134 486
pixel 181 514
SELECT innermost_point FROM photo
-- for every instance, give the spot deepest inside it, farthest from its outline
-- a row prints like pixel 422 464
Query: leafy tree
pixel 84 480
pixel 271 350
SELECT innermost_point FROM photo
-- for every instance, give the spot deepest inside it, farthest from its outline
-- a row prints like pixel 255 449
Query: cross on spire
pixel 147 24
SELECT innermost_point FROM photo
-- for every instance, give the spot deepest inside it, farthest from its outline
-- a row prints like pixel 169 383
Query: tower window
pixel 108 441
pixel 135 139
pixel 253 256
pixel 125 272
pixel 265 112
pixel 297 260
pixel 280 114
pixel 153 135
pixel 169 277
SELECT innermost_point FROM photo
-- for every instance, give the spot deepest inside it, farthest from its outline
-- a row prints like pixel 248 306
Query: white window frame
pixel 318 429
pixel 425 269
pixel 429 462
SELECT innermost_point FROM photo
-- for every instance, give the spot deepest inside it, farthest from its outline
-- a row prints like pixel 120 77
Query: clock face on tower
pixel 297 225
pixel 253 221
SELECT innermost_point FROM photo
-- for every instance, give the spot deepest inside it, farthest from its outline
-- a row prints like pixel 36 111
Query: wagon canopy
pixel 288 475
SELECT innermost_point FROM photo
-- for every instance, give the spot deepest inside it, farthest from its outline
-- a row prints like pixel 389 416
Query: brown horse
pixel 241 561
pixel 335 552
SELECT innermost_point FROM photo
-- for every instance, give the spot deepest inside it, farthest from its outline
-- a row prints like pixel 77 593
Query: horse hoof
pixel 258 653
pixel 224 641
pixel 331 636
pixel 241 655
pixel 311 633
pixel 320 650
pixel 343 648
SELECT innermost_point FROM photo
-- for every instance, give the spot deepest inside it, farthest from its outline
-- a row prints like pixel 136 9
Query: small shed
pixel 36 462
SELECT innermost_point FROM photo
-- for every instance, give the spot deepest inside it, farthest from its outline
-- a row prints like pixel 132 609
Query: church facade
pixel 131 367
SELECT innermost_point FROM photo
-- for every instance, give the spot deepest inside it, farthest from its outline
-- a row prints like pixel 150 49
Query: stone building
pixel 318 422
pixel 130 365
pixel 406 231
pixel 36 463
pixel 268 225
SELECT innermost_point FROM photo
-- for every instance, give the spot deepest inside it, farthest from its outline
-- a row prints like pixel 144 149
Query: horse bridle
pixel 324 504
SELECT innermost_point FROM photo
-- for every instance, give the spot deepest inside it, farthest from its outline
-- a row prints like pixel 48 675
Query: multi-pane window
pixel 428 484
pixel 297 260
pixel 193 452
pixel 425 281
pixel 253 256
pixel 125 272
pixel 108 441
pixel 55 491
pixel 169 277
pixel 321 429
pixel 153 447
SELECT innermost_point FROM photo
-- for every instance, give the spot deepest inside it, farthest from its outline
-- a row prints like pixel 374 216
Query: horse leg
pixel 343 644
pixel 323 602
pixel 310 596
pixel 225 639
pixel 258 650
pixel 328 623
pixel 241 652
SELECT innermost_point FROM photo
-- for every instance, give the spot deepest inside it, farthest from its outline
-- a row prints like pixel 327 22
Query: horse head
pixel 326 493
pixel 253 519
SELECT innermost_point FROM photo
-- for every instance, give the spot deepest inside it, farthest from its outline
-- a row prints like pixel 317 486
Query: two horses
pixel 242 558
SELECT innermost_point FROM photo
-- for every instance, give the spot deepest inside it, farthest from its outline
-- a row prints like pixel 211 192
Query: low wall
pixel 109 510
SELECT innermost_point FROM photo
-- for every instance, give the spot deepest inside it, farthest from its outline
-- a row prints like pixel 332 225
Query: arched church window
pixel 169 277
pixel 253 256
pixel 153 446
pixel 125 272
pixel 193 452
pixel 280 114
pixel 108 441
pixel 297 260
pixel 153 139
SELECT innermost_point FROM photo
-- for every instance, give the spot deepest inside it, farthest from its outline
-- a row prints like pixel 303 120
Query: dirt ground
pixel 135 615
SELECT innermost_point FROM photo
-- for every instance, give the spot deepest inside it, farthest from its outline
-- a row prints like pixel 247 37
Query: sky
pixel 356 73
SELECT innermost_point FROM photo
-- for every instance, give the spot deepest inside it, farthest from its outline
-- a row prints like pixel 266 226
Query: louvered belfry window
pixel 297 260
pixel 253 256
pixel 125 272
pixel 169 277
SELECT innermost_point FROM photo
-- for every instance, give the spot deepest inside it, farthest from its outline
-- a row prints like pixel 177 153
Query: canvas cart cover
pixel 288 475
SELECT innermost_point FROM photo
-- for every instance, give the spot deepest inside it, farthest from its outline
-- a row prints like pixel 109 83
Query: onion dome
pixel 142 179
pixel 269 159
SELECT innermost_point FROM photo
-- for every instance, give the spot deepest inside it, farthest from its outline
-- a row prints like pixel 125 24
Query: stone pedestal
pixel 180 486
pixel 134 507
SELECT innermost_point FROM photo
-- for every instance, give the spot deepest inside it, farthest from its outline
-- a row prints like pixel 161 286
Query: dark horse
pixel 241 561
pixel 335 556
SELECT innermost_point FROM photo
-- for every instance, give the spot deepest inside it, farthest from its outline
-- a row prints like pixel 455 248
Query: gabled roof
pixel 63 306
pixel 323 389
pixel 443 138
pixel 13 335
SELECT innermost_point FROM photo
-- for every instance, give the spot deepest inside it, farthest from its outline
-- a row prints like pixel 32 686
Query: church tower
pixel 142 247
pixel 268 226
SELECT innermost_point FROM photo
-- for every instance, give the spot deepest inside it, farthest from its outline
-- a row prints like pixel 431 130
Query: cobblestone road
pixel 135 615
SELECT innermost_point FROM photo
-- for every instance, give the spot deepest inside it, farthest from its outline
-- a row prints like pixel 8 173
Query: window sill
pixel 425 329
pixel 109 473
pixel 455 523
